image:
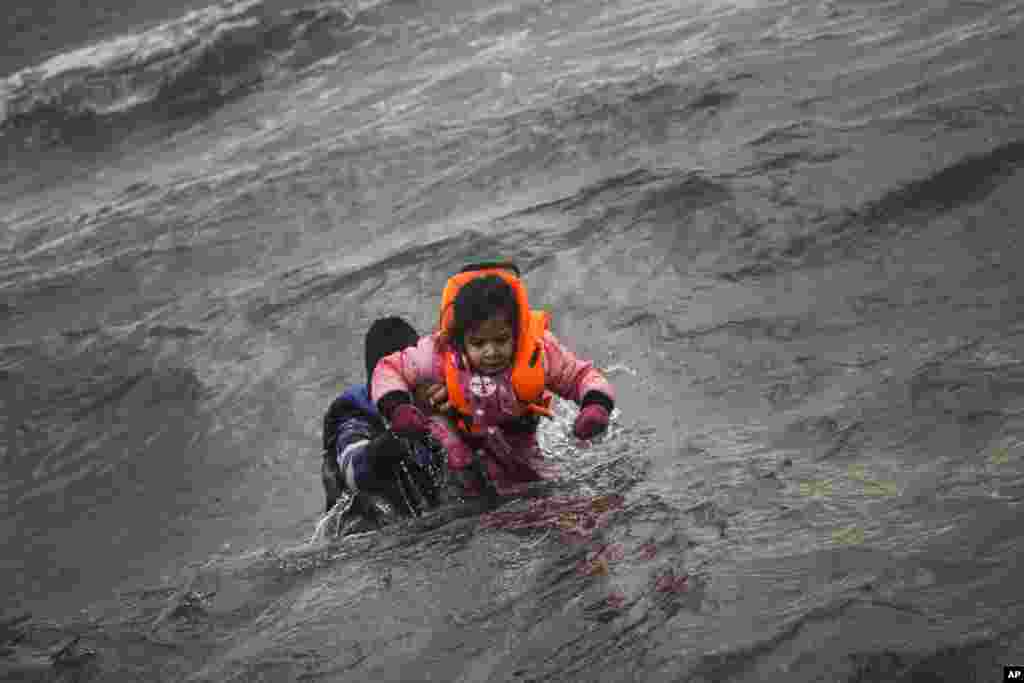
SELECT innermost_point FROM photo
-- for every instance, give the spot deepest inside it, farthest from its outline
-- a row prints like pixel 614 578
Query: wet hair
pixel 478 301
pixel 489 265
pixel 386 336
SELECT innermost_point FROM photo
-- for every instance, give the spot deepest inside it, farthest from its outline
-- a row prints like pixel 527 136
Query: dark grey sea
pixel 788 230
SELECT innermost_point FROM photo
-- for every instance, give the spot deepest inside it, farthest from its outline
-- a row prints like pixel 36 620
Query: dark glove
pixel 592 420
pixel 408 422
pixel 382 455
pixel 387 446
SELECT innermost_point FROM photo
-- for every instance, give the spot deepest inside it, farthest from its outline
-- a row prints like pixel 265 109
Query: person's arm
pixel 354 435
pixel 366 463
pixel 432 398
pixel 397 374
pixel 575 379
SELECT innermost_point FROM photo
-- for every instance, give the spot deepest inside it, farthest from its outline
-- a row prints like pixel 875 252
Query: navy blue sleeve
pixel 352 429
pixel 354 434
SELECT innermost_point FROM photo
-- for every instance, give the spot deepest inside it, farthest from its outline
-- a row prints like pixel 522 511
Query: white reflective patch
pixel 482 386
pixel 345 462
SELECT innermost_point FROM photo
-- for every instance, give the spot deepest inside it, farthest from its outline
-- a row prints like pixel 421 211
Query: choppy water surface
pixel 788 230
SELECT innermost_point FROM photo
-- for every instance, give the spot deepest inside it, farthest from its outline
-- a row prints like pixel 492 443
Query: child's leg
pixel 447 434
pixel 512 462
pixel 528 455
pixel 460 457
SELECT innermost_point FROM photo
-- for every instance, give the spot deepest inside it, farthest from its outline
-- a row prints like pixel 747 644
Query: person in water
pixel 492 366
pixel 364 458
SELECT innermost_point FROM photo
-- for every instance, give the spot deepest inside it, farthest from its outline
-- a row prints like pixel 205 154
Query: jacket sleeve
pixel 354 434
pixel 403 370
pixel 352 429
pixel 569 376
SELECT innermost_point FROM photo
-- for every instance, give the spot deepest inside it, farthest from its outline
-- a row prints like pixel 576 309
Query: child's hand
pixel 590 422
pixel 407 421
pixel 433 396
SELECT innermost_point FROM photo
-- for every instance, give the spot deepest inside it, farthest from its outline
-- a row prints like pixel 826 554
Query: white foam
pixel 119 57
pixel 138 49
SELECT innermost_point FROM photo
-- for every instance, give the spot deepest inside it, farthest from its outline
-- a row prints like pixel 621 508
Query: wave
pixel 186 65
pixel 969 180
pixel 644 190
pixel 901 209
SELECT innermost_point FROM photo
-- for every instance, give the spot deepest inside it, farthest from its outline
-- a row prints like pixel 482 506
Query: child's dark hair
pixel 386 336
pixel 480 300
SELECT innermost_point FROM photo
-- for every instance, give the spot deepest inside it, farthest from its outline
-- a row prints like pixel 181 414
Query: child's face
pixel 491 345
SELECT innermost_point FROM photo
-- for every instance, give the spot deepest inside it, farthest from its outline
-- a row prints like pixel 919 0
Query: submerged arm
pixel 575 379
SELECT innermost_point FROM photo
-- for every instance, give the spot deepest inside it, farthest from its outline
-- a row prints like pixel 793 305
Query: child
pixel 360 455
pixel 498 363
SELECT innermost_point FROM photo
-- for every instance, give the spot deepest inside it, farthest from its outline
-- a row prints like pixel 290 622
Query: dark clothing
pixel 363 457
pixel 384 337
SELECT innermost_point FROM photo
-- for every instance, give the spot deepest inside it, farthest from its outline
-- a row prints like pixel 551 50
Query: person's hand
pixel 459 455
pixel 408 422
pixel 591 421
pixel 383 453
pixel 433 396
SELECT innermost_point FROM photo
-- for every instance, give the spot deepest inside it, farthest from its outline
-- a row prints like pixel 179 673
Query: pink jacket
pixel 512 458
pixel 564 373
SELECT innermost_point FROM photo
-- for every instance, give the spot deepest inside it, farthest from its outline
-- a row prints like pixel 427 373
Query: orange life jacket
pixel 527 364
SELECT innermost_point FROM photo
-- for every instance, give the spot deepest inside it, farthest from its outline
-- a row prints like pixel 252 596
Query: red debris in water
pixel 594 567
pixel 616 599
pixel 596 563
pixel 577 518
pixel 671 583
pixel 613 552
pixel 603 504
pixel 648 551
